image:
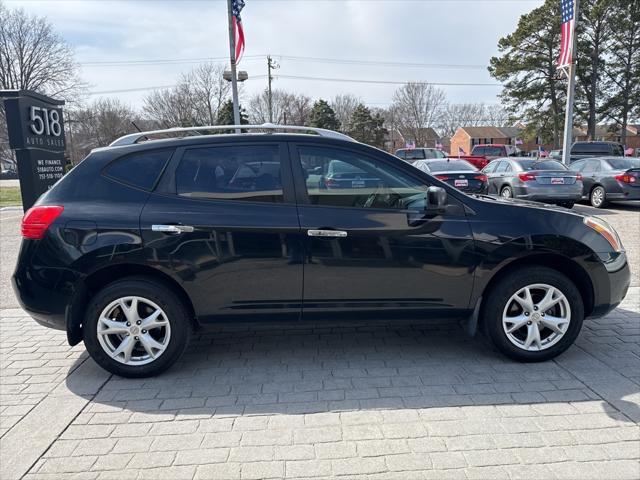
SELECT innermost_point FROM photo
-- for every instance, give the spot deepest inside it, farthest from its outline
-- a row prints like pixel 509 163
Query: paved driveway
pixel 408 400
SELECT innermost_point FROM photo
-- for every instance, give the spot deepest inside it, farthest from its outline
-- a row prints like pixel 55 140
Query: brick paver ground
pixel 408 400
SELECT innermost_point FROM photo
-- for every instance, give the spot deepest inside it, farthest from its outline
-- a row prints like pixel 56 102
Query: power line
pixel 379 63
pixel 293 58
pixel 386 82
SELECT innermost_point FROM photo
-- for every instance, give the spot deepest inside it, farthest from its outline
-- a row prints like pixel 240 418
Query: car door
pixel 497 176
pixel 579 166
pixel 371 250
pixel 223 221
pixel 590 174
pixel 489 171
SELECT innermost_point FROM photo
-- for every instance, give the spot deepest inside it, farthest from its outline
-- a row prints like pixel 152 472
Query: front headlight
pixel 605 230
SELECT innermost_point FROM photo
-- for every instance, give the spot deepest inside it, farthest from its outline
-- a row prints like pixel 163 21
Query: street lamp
pixel 242 75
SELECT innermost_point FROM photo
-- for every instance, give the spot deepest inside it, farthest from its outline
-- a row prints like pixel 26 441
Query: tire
pixel 598 197
pixel 506 192
pixel 170 330
pixel 567 204
pixel 500 305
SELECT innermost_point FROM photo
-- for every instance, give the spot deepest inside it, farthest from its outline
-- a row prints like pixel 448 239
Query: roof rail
pixel 133 138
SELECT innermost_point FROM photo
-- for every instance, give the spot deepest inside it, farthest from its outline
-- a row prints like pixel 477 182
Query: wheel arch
pixel 553 261
pixel 102 277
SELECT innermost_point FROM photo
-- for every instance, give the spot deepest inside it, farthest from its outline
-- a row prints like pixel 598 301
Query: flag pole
pixel 571 91
pixel 232 61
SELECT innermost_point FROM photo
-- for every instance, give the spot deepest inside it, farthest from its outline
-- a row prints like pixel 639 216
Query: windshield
pixel 493 151
pixel 411 154
pixel 623 163
pixel 537 165
pixel 451 166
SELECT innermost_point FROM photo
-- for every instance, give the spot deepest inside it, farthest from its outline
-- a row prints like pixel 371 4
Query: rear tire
pixel 506 192
pixel 136 327
pixel 567 204
pixel 598 197
pixel 557 327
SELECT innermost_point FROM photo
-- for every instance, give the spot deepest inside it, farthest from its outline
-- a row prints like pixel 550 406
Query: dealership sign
pixel 36 133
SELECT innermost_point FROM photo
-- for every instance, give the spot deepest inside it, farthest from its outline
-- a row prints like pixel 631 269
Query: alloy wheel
pixel 506 192
pixel 597 196
pixel 536 317
pixel 133 330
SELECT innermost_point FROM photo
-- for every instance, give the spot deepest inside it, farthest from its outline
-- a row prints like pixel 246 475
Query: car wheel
pixel 598 197
pixel 533 314
pixel 136 327
pixel 506 192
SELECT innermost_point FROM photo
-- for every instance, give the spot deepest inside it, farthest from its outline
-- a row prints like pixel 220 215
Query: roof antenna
pixel 138 128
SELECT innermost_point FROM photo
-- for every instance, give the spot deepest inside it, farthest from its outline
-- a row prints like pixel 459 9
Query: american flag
pixel 461 151
pixel 438 144
pixel 566 39
pixel 237 6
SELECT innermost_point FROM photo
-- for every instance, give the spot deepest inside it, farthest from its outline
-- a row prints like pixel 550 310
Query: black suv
pixel 590 149
pixel 144 242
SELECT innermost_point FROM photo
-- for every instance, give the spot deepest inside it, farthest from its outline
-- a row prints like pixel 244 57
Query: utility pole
pixel 232 59
pixel 571 91
pixel 271 65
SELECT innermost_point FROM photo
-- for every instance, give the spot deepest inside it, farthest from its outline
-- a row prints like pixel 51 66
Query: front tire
pixel 533 314
pixel 136 327
pixel 598 197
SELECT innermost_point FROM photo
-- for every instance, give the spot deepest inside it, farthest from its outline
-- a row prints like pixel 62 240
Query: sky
pixel 450 40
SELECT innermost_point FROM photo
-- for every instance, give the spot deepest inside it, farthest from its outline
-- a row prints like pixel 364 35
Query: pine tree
pixel 534 90
pixel 367 128
pixel 323 116
pixel 622 73
pixel 594 32
pixel 225 115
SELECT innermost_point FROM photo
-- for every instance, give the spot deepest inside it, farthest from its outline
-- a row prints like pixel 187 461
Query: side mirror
pixel 436 200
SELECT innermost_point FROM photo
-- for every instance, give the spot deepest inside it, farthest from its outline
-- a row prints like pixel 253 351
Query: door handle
pixel 175 229
pixel 327 233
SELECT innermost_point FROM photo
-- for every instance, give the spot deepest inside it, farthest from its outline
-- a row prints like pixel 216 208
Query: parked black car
pixel 143 242
pixel 457 173
pixel 608 179
pixel 595 149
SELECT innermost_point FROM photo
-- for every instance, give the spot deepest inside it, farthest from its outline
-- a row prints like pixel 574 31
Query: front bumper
pixel 610 283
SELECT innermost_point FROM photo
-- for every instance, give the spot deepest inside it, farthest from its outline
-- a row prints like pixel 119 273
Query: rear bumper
pixel 626 193
pixel 44 293
pixel 546 195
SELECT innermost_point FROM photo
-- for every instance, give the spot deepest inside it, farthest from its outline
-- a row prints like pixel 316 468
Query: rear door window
pixel 245 173
pixel 139 170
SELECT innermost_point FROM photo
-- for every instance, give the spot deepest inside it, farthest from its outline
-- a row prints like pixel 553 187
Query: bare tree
pixel 344 105
pixel 195 100
pixel 97 125
pixel 288 108
pixel 34 57
pixel 418 106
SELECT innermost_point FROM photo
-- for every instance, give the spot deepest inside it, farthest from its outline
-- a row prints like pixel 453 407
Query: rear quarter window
pixel 139 170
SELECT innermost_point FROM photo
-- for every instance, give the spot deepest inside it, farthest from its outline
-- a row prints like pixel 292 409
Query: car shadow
pixel 245 369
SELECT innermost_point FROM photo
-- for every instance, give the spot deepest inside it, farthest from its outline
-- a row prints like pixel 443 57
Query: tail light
pixel 526 177
pixel 443 178
pixel 38 219
pixel 578 177
pixel 626 178
pixel 482 178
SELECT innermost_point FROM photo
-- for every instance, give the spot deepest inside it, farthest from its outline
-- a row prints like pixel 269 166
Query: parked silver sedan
pixel 534 179
pixel 609 179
